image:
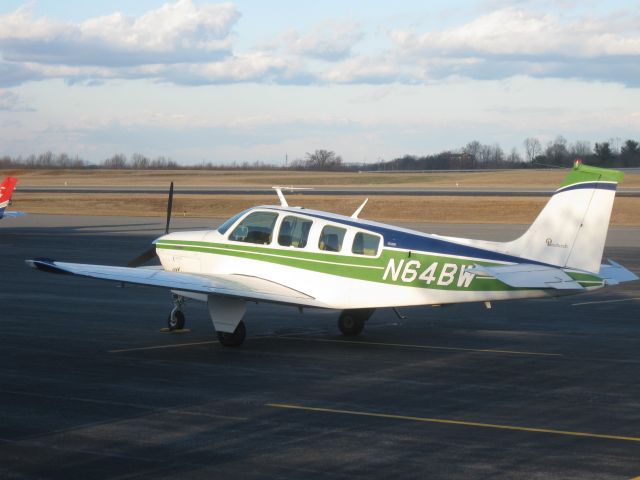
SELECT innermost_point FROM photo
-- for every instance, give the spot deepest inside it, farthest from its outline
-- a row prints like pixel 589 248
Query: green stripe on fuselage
pixel 394 267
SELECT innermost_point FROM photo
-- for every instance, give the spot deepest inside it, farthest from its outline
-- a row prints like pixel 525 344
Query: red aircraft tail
pixel 6 189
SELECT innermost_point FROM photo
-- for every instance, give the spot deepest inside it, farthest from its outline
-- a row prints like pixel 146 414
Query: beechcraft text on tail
pixel 6 190
pixel 307 258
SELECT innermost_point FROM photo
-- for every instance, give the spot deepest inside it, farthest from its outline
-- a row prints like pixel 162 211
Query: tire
pixel 176 320
pixel 234 339
pixel 350 324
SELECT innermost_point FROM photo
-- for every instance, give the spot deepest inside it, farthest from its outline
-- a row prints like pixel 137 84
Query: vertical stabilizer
pixel 572 228
pixel 6 189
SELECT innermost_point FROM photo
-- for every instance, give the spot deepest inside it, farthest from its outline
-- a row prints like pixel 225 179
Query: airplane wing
pixel 527 275
pixel 237 286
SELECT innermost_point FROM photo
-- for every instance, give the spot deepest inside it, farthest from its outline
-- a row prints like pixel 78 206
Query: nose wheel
pixel 176 319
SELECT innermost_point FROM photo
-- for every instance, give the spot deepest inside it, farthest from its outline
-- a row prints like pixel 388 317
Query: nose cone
pixel 192 236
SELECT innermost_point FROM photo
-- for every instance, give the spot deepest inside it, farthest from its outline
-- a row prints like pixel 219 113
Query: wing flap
pixel 238 286
pixel 526 275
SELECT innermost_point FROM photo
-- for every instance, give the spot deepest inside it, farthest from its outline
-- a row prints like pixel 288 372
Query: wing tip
pixel 45 265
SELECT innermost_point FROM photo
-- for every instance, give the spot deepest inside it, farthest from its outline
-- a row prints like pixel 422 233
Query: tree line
pixel 556 153
pixel 474 155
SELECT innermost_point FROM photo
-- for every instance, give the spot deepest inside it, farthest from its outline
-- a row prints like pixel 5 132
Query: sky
pixel 250 80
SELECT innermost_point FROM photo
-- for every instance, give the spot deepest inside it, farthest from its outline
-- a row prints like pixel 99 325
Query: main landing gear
pixel 351 322
pixel 176 318
pixel 176 321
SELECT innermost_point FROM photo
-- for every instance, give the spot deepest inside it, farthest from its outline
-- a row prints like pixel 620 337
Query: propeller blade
pixel 143 258
pixel 150 252
pixel 169 207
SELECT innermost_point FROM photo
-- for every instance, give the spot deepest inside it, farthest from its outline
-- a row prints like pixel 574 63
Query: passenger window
pixel 365 244
pixel 255 228
pixel 294 232
pixel 331 238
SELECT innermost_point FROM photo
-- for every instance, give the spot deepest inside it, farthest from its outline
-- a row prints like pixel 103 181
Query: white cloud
pixel 252 67
pixel 510 31
pixel 382 69
pixel 176 32
pixel 11 102
pixel 512 41
pixel 188 43
pixel 330 40
pixel 178 26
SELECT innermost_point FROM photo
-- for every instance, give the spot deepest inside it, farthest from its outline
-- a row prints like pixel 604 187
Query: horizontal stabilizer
pixel 236 286
pixel 13 214
pixel 615 273
pixel 527 275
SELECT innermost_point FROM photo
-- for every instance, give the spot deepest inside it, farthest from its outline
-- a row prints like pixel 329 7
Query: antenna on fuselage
pixel 283 201
pixel 357 212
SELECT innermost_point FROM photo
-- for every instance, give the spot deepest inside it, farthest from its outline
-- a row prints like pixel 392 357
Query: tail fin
pixel 6 189
pixel 572 228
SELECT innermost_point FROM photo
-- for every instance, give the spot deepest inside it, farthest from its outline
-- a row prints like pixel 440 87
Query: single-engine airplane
pixel 6 190
pixel 307 258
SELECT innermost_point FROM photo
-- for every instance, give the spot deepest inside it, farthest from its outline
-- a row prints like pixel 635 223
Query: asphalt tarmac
pixel 91 388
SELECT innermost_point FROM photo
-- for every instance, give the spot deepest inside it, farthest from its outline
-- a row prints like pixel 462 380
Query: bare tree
pixel 139 161
pixel 614 144
pixel 473 150
pixel 323 160
pixel 556 151
pixel 580 150
pixel 119 160
pixel 532 148
pixel 514 156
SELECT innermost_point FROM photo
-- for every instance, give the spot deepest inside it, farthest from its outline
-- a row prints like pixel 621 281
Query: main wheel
pixel 350 324
pixel 176 320
pixel 234 339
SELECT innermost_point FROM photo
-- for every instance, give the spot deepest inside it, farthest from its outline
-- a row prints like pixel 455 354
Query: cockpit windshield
pixel 227 225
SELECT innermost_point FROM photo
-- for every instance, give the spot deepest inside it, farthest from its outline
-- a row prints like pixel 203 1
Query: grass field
pixel 382 208
pixel 438 209
pixel 194 178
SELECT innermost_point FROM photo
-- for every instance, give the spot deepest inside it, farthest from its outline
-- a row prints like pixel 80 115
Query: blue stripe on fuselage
pixel 417 242
pixel 589 185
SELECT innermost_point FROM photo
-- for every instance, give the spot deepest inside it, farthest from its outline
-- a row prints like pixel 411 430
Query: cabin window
pixel 331 238
pixel 365 244
pixel 229 223
pixel 294 232
pixel 255 228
